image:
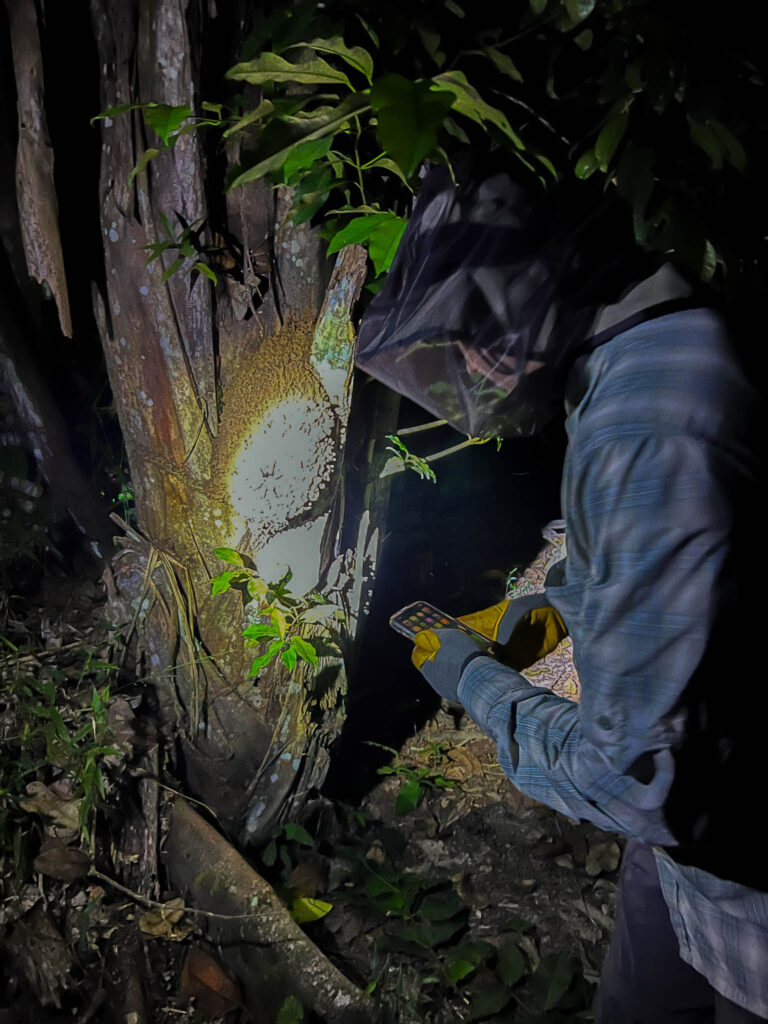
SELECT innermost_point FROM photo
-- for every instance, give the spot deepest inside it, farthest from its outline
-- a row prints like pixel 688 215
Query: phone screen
pixel 421 615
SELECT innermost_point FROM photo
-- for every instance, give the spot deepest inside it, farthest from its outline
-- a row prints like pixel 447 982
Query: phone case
pixel 420 615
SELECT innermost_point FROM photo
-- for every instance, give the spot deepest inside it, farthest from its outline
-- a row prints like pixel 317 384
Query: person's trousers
pixel 644 979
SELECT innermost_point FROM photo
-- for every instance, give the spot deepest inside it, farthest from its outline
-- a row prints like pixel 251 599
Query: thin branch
pixel 147 902
pixel 422 426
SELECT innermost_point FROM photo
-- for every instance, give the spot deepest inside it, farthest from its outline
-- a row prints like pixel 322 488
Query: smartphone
pixel 421 615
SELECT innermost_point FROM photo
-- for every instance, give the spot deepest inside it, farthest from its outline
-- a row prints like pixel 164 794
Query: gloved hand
pixel 525 628
pixel 442 655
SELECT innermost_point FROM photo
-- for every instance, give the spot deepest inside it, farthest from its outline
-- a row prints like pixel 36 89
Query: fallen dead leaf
pixel 56 860
pixel 42 799
pixel 602 857
pixel 62 788
pixel 165 922
pixel 307 878
pixel 376 853
pixel 122 722
pixel 464 765
pixel 213 986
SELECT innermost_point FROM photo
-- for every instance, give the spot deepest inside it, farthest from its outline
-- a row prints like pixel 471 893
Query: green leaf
pixel 269 856
pixel 116 111
pixel 586 165
pixel 384 241
pixel 409 797
pixel 291 1012
pixel 222 582
pixel 355 56
pixel 279 621
pixel 734 151
pixel 311 193
pixel 298 833
pixel 206 271
pixel 553 977
pixel 304 155
pixel 487 1000
pixel 512 964
pixel 538 6
pixel 430 935
pixel 284 26
pixel 455 969
pixel 702 135
pixel 440 906
pixel 467 101
pixel 147 156
pixel 257 589
pixel 455 9
pixel 290 657
pixel 259 113
pixel 259 631
pixel 383 163
pixel 304 650
pixel 264 659
pixel 270 67
pixel 174 268
pixel 356 231
pixel 609 139
pixel 304 910
pixel 515 924
pixel 409 116
pixel 390 943
pixel 431 41
pixel 503 62
pixel 164 119
pixel 229 555
pixel 475 950
pixel 275 146
pixel 547 163
pixel 708 262
pixel 456 131
pixel 578 10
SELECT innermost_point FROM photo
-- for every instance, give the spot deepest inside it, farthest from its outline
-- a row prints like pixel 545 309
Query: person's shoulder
pixel 676 374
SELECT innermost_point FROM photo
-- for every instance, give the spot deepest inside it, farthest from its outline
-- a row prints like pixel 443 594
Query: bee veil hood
pixel 495 289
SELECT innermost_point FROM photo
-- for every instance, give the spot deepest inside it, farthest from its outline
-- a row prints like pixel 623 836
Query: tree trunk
pixel 234 410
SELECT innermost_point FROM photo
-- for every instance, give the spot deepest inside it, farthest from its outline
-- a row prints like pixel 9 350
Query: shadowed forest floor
pixel 445 892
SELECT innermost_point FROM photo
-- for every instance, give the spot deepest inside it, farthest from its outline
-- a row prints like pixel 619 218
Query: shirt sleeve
pixel 648 530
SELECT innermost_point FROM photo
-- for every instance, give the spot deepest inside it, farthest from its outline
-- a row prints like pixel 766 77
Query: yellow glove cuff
pixel 486 621
pixel 536 635
pixel 425 647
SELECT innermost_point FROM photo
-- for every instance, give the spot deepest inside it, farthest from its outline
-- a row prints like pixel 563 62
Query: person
pixel 503 305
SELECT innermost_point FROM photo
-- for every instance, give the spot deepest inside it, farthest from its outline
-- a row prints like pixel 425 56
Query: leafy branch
pixel 283 615
pixel 402 458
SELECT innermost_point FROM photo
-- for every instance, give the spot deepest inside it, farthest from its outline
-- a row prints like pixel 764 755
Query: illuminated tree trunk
pixel 234 408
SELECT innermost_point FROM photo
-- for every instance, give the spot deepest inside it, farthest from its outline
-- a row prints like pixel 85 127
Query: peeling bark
pixel 35 189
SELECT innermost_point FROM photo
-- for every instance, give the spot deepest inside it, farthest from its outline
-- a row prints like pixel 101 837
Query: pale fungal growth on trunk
pixel 282 466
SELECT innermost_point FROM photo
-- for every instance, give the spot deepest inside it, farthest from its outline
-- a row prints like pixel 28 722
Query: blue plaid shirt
pixel 656 426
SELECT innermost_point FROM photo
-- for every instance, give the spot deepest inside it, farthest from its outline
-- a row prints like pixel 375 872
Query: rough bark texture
pixel 234 426
pixel 270 954
pixel 35 188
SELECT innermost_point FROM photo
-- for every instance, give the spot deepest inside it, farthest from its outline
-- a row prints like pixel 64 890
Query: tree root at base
pixel 268 951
